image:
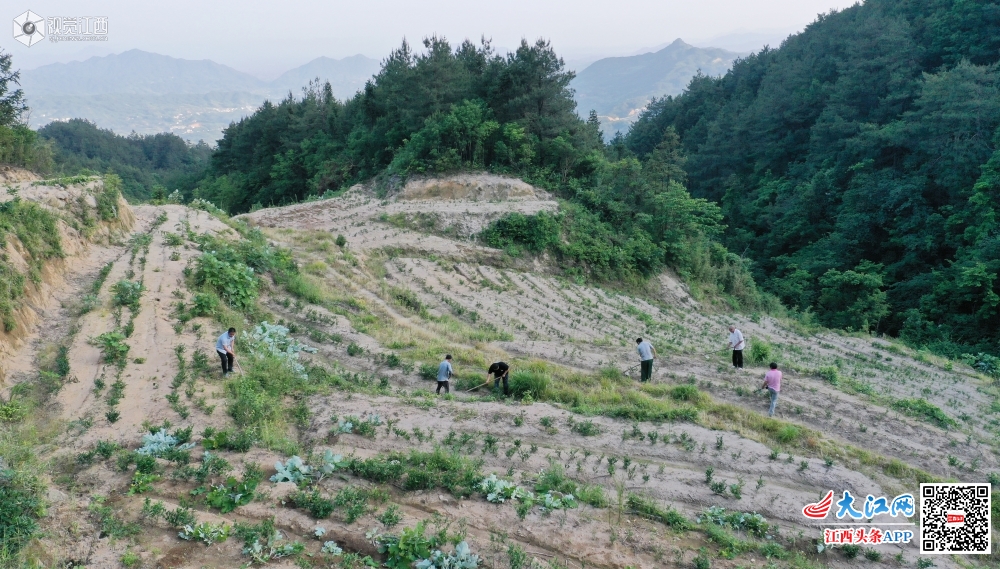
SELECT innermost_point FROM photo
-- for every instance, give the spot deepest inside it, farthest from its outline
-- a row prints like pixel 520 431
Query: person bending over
pixel 224 347
pixel 499 370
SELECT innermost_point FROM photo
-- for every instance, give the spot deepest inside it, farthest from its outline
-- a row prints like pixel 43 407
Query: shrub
pixel 234 281
pixel 204 304
pixel 760 352
pixel 107 197
pixel 428 372
pixel 829 373
pixel 532 232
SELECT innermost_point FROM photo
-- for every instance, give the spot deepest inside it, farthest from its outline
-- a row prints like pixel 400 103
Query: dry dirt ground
pixel 421 242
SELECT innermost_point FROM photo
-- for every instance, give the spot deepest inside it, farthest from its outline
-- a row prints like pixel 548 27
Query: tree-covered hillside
pixel 149 165
pixel 471 109
pixel 858 165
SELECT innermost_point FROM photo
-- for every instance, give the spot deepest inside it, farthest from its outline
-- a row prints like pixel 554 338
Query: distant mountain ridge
pixel 197 99
pixel 150 93
pixel 619 87
pixel 136 72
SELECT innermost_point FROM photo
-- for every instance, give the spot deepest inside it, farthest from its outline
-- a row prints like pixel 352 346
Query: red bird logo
pixel 819 510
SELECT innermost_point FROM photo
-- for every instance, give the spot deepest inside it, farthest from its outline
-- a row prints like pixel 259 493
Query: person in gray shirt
pixel 646 354
pixel 444 374
pixel 224 347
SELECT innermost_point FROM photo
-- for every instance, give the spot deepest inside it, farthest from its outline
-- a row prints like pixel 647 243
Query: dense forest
pixel 469 108
pixel 853 172
pixel 147 164
pixel 859 166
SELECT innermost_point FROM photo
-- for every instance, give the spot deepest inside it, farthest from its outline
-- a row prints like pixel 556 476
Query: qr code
pixel 955 518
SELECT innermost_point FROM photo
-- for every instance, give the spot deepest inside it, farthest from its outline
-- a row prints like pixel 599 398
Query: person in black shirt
pixel 499 370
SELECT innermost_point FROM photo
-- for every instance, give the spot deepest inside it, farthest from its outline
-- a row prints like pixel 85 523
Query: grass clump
pixel 554 479
pixel 921 409
pixel 586 428
pixel 422 470
pixel 649 509
pixel 529 382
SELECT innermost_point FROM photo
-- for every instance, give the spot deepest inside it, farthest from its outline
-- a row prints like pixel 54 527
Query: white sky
pixel 267 38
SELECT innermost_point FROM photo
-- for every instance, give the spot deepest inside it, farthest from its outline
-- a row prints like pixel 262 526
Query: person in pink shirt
pixel 772 382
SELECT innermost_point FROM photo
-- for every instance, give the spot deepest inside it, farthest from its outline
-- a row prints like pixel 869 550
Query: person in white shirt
pixel 737 343
pixel 646 354
pixel 224 347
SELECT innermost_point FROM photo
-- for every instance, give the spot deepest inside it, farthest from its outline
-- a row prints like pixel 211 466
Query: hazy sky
pixel 267 38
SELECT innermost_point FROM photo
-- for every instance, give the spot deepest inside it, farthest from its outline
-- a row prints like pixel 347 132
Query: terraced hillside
pixel 118 420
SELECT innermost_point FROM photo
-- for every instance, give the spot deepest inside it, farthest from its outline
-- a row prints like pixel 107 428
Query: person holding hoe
pixel 772 383
pixel 737 343
pixel 646 354
pixel 224 347
pixel 499 370
pixel 444 374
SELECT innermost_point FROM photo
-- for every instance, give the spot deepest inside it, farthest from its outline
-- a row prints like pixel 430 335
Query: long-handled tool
pixel 239 366
pixel 478 386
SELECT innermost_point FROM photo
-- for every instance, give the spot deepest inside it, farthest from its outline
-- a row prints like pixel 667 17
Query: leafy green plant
pixel 461 558
pixel 172 239
pixel 205 532
pixel 293 470
pixel 230 495
pixel 225 439
pixel 829 373
pixel 179 517
pixel 391 517
pixel 411 546
pixel 234 281
pixel 203 304
pixel 851 551
pixel 142 483
pixel 318 506
pixel 353 501
pixel 114 350
pixel 760 351
pixel 127 293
